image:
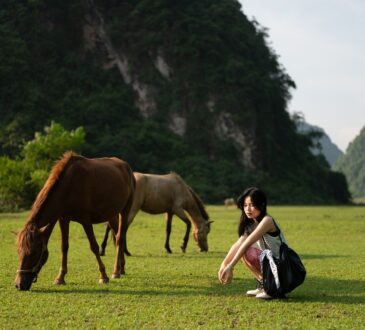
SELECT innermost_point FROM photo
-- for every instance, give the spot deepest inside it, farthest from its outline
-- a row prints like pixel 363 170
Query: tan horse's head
pixel 33 254
pixel 200 234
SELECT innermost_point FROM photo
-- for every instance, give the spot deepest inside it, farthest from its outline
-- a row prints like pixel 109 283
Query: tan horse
pixel 88 191
pixel 229 202
pixel 156 194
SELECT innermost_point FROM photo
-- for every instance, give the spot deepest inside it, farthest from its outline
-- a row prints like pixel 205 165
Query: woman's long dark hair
pixel 258 198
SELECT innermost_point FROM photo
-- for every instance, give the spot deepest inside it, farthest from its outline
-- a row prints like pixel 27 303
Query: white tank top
pixel 272 242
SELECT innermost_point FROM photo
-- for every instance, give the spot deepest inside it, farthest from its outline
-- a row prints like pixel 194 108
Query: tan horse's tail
pixel 199 203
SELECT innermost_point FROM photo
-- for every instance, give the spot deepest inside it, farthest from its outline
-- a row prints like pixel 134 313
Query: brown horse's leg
pixel 64 226
pixel 95 249
pixel 181 214
pixel 119 260
pixel 169 216
pixel 114 225
pixel 121 237
pixel 105 240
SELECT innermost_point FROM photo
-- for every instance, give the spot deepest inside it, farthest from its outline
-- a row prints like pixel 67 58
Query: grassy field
pixel 181 291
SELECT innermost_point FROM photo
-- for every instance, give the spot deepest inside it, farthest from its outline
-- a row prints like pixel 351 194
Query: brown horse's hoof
pixel 59 281
pixel 104 280
pixel 116 276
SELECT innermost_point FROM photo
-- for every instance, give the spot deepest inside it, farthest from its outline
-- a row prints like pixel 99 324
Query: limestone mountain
pixel 321 144
pixel 189 86
pixel 352 164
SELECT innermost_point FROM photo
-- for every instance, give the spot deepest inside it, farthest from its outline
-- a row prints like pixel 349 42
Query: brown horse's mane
pixel 25 237
pixel 197 199
pixel 27 234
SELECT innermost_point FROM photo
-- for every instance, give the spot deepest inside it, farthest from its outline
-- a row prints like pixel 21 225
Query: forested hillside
pixel 352 164
pixel 186 86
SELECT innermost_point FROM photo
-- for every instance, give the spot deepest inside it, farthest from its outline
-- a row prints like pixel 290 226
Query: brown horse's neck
pixel 46 208
pixel 45 217
pixel 48 213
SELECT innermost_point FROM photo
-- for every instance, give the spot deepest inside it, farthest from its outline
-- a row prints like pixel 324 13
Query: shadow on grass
pixel 179 255
pixel 220 254
pixel 321 256
pixel 314 289
pixel 319 289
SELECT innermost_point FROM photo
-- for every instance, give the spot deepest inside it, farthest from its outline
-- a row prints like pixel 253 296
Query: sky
pixel 321 45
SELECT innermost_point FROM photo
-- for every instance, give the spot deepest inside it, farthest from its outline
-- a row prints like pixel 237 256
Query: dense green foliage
pixel 352 164
pixel 215 54
pixel 21 179
pixel 181 291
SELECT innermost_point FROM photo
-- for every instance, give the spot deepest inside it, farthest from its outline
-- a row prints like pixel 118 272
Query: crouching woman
pixel 257 231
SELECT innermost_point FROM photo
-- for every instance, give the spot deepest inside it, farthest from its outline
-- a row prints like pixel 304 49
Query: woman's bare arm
pixel 233 250
pixel 266 225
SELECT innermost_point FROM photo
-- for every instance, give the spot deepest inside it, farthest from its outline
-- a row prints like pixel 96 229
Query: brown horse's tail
pixel 199 202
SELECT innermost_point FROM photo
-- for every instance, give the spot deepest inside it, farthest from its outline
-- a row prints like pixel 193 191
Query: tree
pixel 21 179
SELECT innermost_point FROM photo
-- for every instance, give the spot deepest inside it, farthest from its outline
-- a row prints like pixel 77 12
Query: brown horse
pixel 88 191
pixel 156 194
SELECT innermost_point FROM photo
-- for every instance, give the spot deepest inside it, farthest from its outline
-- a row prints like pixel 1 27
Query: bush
pixel 13 184
pixel 20 180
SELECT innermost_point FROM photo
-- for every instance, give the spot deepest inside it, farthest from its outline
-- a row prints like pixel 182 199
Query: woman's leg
pixel 252 260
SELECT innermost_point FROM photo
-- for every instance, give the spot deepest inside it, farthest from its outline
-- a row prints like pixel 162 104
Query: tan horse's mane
pixel 197 199
pixel 26 235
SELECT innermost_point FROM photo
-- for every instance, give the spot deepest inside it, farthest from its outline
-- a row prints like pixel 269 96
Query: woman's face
pixel 251 211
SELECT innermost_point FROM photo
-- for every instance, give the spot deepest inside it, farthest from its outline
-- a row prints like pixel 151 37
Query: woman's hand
pixel 221 269
pixel 226 274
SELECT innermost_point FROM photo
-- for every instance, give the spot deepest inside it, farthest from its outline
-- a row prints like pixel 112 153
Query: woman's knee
pixel 252 257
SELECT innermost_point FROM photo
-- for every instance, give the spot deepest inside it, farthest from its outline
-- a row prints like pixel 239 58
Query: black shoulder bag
pixel 290 270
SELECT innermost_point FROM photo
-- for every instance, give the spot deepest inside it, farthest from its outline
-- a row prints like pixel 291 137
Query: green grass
pixel 181 291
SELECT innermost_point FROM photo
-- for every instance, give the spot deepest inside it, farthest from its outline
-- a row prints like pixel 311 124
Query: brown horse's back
pixel 95 189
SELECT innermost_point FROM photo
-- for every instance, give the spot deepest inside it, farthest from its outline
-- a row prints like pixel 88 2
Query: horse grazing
pixel 156 194
pixel 87 191
pixel 229 202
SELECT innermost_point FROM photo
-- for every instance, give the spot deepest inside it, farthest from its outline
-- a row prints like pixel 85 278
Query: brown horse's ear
pixel 46 230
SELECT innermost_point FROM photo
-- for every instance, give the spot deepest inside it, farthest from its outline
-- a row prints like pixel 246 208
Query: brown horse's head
pixel 200 234
pixel 33 254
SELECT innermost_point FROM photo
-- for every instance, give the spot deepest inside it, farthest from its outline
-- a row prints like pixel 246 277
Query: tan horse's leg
pixel 169 216
pixel 95 249
pixel 113 224
pixel 64 226
pixel 131 215
pixel 181 214
pixel 105 240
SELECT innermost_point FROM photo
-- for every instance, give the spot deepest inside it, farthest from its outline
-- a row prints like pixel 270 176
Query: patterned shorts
pixel 252 255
